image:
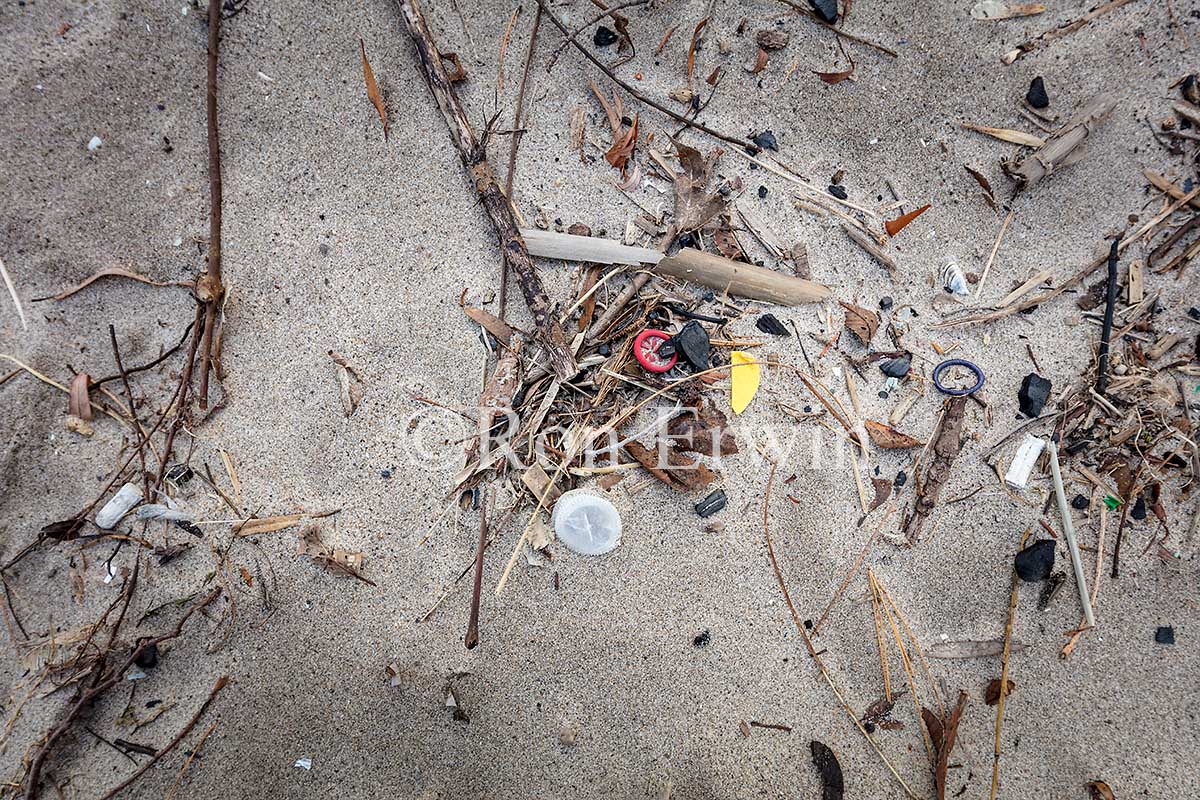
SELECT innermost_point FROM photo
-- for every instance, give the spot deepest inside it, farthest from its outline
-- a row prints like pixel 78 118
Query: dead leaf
pixel 862 322
pixel 894 226
pixel 277 523
pixel 760 63
pixel 247 578
pixel 589 305
pixel 350 382
pixel 943 732
pixel 614 118
pixel 834 78
pixel 622 148
pixel 373 89
pixel 832 784
pixel 577 123
pixel 82 427
pixel 78 403
pixel 114 272
pixel 490 323
pixel 772 39
pixel 1099 790
pixel 889 438
pixel 726 242
pixel 702 430
pixel 459 74
pixel 537 481
pixel 984 184
pixel 678 472
pixel 342 562
pixel 800 265
pixel 694 205
pixel 540 534
pixel 883 490
pixel 997 9
pixel 691 57
pixel 63 530
pixel 991 695
pixel 1007 135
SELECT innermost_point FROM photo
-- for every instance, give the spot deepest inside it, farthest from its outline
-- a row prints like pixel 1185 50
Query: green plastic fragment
pixel 1113 503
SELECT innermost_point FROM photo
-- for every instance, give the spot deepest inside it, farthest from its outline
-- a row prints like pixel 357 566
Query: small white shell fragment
pixel 587 523
pixel 118 506
pixel 954 280
pixel 303 763
pixel 1022 464
pixel 94 143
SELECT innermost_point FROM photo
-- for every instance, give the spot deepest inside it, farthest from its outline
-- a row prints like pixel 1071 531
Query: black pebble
pixel 897 367
pixel 1036 96
pixel 711 504
pixel 701 639
pixel 769 323
pixel 901 479
pixel 765 141
pixel 1036 562
pixel 148 658
pixel 692 343
pixel 808 624
pixel 1079 503
pixel 826 8
pixel 1035 391
pixel 886 302
pixel 604 36
pixel 762 193
pixel 1139 509
pixel 1164 635
pixel 838 191
pixel 1194 313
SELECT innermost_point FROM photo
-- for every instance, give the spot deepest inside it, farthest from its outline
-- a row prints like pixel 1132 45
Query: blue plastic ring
pixel 957 362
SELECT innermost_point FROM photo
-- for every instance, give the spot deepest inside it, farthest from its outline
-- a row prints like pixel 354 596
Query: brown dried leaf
pixel 490 323
pixel 622 148
pixel 577 122
pixel 760 63
pixel 726 242
pixel 247 578
pixel 889 438
pixel 459 74
pixel 79 404
pixel 991 695
pixel 691 57
pixel 349 381
pixel 276 523
pixel 704 431
pixel 943 732
pixel 373 89
pixel 694 205
pixel 1007 135
pixel 800 265
pixel 984 184
pixel 834 78
pixel 614 118
pixel 772 39
pixel 883 490
pixel 1099 790
pixel 862 322
pixel 679 473
pixel 589 305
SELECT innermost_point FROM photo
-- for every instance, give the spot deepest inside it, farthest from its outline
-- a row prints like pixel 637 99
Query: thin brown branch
pixel 210 288
pixel 472 637
pixel 137 423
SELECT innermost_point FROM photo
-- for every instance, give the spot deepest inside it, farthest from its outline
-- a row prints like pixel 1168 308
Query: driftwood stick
pixel 209 287
pixel 472 637
pixel 1062 30
pixel 1060 150
pixel 473 152
pixel 1109 307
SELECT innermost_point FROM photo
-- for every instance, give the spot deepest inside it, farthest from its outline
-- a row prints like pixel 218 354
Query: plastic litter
pixel 586 523
pixel 1023 462
pixel 118 506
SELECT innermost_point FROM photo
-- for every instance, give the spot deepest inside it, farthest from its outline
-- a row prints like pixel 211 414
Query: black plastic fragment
pixel 711 504
pixel 148 658
pixel 179 474
pixel 838 191
pixel 765 141
pixel 692 343
pixel 1036 562
pixel 886 302
pixel 826 9
pixel 1164 635
pixel 1035 391
pixel 769 323
pixel 1036 96
pixel 901 479
pixel 762 193
pixel 701 639
pixel 897 367
pixel 1138 512
pixel 1079 502
pixel 604 36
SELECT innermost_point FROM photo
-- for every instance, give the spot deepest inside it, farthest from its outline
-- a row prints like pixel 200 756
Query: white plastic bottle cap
pixel 586 523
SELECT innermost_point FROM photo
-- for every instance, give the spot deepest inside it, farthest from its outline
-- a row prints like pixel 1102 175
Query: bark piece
pixel 947 442
pixel 1061 149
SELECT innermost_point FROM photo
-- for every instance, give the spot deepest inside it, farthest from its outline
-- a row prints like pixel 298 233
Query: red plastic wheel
pixel 645 350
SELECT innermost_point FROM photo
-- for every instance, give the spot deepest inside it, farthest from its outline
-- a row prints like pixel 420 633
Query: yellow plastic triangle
pixel 744 376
